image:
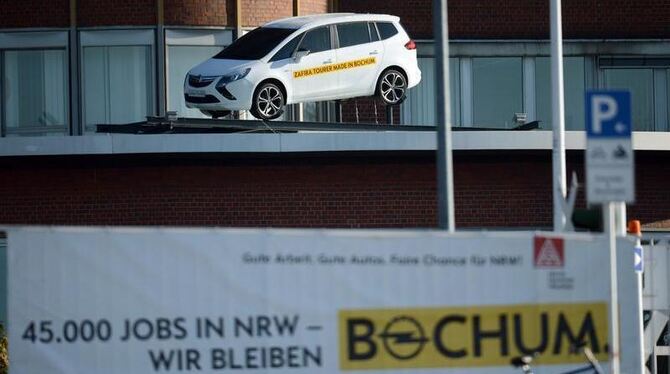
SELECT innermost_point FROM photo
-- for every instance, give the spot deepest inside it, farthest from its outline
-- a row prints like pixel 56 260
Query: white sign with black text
pixel 149 300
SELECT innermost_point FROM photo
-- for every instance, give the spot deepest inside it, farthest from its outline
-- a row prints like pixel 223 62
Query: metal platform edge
pixel 161 125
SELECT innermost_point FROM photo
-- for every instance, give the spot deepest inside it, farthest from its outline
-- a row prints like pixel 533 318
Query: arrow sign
pixel 639 259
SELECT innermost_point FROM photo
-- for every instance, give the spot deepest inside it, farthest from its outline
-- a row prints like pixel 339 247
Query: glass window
pixel 322 111
pixel 574 87
pixel 35 91
pixel 354 33
pixel 181 59
pixel 640 83
pixel 374 36
pixel 497 91
pixel 386 29
pixel 287 50
pixel 117 84
pixel 255 44
pixel 419 108
pixel 317 40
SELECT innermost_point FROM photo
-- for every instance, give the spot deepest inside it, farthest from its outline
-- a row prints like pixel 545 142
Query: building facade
pixel 67 65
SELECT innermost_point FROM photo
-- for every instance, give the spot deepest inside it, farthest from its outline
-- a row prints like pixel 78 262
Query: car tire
pixel 268 101
pixel 392 87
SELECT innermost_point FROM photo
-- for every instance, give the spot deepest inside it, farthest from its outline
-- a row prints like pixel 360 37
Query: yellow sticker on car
pixel 334 67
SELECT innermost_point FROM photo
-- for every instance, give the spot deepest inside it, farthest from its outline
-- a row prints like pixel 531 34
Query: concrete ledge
pixel 303 142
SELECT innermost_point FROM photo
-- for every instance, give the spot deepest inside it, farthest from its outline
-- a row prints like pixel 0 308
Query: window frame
pixel 372 25
pixel 36 40
pixel 659 66
pixel 180 37
pixel 133 37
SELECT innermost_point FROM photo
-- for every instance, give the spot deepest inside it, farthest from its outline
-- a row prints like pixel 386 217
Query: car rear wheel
pixel 268 102
pixel 392 87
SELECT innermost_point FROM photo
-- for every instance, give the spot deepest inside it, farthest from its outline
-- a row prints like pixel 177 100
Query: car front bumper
pixel 235 95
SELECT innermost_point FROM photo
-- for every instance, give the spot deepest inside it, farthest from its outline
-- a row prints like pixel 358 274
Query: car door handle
pixel 374 53
pixel 329 61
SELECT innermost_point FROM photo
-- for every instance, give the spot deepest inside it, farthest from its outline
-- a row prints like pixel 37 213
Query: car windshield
pixel 255 44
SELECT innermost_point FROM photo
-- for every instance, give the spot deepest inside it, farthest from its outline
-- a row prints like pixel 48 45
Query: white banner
pixel 293 301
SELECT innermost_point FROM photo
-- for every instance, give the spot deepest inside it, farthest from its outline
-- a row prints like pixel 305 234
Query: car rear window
pixel 386 29
pixel 255 44
pixel 354 33
pixel 317 40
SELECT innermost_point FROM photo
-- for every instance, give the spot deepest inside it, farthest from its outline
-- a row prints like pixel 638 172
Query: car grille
pixel 207 99
pixel 199 81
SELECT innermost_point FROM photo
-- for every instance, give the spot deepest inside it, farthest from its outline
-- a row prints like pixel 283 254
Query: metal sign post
pixel 557 118
pixel 609 180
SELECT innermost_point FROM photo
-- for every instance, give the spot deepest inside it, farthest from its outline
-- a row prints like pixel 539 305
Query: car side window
pixel 374 36
pixel 386 29
pixel 353 33
pixel 317 40
pixel 287 50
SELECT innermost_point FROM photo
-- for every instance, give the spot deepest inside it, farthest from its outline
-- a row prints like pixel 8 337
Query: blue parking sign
pixel 608 114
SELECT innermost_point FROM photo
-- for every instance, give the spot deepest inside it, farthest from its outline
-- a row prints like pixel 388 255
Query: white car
pixel 303 59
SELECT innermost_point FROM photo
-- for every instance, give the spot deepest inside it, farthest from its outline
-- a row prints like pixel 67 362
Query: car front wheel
pixel 392 87
pixel 268 102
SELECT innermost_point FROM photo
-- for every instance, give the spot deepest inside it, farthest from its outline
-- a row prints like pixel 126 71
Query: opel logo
pixel 403 338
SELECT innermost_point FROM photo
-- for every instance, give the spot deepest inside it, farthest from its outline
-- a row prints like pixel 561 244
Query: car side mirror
pixel 300 54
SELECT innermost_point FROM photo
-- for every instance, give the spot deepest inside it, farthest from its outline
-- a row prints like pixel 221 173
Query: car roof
pixel 328 18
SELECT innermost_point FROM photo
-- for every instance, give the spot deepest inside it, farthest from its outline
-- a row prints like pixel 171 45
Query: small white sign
pixel 609 155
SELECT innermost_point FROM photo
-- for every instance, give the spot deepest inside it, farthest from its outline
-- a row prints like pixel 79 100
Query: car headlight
pixel 233 77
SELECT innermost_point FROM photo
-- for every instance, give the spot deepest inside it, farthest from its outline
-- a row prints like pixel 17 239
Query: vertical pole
pixel 609 218
pixel 558 122
pixel 338 111
pixel 298 112
pixel 445 174
pixel 630 295
pixel 160 59
pixel 76 128
pixel 621 226
pixel 240 114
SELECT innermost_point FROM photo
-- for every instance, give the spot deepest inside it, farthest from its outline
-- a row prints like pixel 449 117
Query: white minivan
pixel 304 59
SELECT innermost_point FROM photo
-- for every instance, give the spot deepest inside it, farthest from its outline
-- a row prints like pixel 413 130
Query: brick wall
pixel 200 12
pixel 371 190
pixel 528 19
pixel 116 12
pixel 370 110
pixel 34 13
pixel 313 7
pixel 491 19
pixel 258 12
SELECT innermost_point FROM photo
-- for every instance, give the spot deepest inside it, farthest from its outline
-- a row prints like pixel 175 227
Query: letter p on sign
pixel 608 114
pixel 603 108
